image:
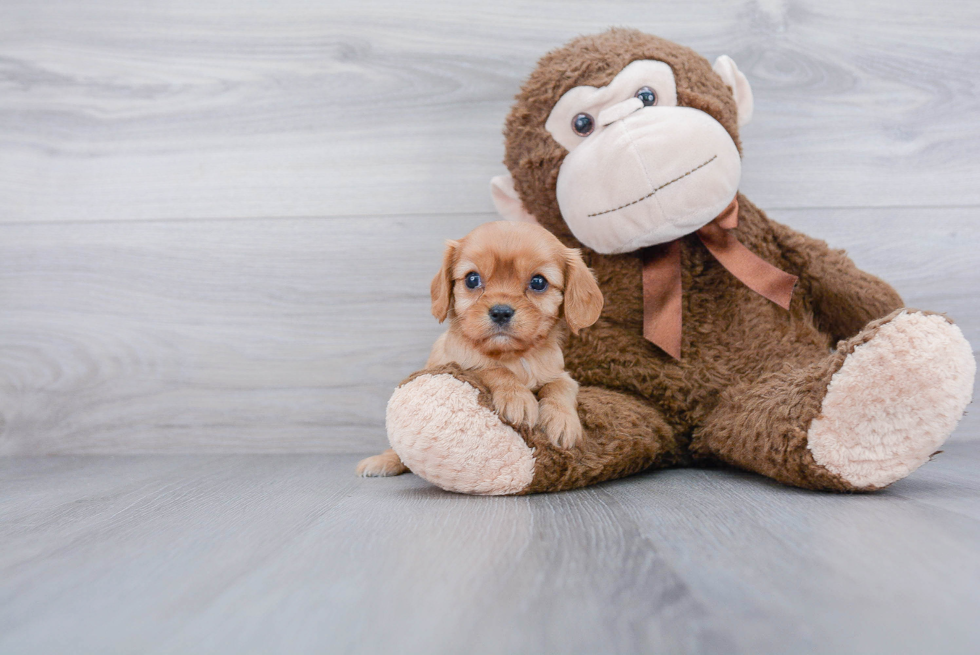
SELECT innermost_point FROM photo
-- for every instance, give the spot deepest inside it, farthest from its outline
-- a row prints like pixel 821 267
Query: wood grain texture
pixel 248 553
pixel 218 223
pixel 110 110
pixel 289 335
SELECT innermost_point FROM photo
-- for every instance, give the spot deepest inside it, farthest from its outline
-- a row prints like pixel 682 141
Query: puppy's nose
pixel 501 314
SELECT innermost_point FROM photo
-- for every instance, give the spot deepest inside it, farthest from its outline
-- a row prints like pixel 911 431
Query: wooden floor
pixel 293 554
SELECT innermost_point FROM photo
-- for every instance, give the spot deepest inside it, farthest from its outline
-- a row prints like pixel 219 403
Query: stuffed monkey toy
pixel 725 337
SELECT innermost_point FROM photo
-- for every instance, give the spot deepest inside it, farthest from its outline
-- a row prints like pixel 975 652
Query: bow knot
pixel 662 322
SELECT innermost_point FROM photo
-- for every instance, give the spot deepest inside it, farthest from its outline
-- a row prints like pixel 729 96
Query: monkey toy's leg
pixel 442 425
pixel 861 418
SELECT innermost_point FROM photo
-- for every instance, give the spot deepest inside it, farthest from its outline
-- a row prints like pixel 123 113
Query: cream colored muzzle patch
pixel 650 177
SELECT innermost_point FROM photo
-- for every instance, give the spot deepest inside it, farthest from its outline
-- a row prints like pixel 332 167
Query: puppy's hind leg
pixel 381 466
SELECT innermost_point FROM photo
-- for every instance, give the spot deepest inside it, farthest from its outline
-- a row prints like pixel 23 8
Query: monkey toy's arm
pixel 843 297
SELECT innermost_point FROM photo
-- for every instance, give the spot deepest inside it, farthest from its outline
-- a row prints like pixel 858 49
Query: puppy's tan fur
pixel 523 356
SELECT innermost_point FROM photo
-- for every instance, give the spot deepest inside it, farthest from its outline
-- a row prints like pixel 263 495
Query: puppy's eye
pixel 583 125
pixel 647 96
pixel 472 280
pixel 538 283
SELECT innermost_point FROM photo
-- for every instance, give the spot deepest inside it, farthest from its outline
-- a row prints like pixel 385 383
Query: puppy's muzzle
pixel 501 314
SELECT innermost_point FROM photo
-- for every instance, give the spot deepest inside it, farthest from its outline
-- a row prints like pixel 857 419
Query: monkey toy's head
pixel 624 140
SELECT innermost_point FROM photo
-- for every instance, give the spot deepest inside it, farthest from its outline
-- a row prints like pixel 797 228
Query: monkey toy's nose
pixel 501 314
pixel 618 111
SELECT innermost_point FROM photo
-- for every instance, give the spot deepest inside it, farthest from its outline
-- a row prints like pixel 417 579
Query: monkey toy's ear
pixel 736 81
pixel 506 200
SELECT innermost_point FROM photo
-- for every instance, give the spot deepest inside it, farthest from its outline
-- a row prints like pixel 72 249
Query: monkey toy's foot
pixel 445 430
pixel 896 398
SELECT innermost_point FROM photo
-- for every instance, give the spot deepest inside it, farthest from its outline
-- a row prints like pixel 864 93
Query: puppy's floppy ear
pixel 442 283
pixel 583 298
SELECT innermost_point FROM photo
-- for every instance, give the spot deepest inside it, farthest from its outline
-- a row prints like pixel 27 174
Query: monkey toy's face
pixel 641 157
pixel 640 170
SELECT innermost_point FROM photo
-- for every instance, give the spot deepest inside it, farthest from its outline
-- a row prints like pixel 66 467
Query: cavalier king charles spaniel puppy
pixel 511 292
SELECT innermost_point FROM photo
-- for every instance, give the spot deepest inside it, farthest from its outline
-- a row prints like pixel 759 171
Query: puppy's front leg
pixel 559 411
pixel 512 400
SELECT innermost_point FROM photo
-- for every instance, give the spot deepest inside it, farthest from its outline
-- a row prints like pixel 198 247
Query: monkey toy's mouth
pixel 654 192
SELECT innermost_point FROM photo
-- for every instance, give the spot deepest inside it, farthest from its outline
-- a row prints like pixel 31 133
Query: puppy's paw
pixel 516 405
pixel 381 466
pixel 561 423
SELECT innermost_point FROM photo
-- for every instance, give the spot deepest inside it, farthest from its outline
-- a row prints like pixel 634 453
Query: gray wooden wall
pixel 218 220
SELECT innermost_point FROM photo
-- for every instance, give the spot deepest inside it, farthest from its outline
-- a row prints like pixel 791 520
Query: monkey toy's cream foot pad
pixel 894 401
pixel 443 433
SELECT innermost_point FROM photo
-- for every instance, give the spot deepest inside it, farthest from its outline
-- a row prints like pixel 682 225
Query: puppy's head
pixel 505 285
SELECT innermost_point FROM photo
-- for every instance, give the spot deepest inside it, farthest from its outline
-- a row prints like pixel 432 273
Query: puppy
pixel 511 292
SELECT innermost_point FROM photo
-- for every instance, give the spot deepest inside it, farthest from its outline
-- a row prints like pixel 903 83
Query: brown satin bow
pixel 662 278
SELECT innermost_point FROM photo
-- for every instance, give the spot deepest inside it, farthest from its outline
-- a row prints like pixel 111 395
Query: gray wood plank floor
pixel 293 554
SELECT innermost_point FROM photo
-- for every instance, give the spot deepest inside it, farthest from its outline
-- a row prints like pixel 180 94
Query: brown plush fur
pixel 753 375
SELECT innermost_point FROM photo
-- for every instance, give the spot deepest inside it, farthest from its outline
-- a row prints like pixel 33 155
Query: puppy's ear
pixel 442 283
pixel 583 298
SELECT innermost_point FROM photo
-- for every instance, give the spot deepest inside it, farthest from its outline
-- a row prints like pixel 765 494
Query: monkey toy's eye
pixel 647 95
pixel 472 280
pixel 583 124
pixel 538 283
